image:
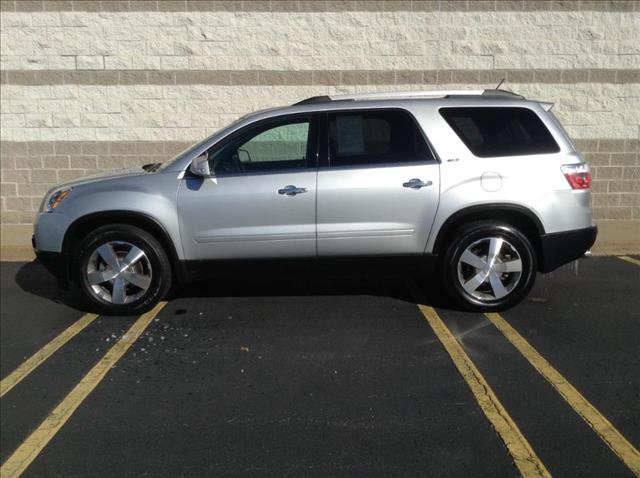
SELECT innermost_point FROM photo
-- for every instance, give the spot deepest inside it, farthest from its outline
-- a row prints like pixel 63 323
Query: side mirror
pixel 200 166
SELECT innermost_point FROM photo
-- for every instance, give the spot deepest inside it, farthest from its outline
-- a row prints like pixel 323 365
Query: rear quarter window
pixel 499 131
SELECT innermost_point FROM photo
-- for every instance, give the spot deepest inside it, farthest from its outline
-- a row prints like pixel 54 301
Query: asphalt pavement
pixel 325 374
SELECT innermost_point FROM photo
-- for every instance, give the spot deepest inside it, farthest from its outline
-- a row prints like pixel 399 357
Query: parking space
pixel 326 374
pixel 33 312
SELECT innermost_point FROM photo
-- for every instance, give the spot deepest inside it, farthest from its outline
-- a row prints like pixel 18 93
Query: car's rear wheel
pixel 122 270
pixel 488 266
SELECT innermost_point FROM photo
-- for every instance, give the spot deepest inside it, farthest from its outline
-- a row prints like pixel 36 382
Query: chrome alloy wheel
pixel 119 272
pixel 489 269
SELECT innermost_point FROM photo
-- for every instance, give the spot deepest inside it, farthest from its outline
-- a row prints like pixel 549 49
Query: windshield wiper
pixel 151 167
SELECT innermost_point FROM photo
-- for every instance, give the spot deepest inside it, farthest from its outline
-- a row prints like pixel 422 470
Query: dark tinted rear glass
pixel 497 131
pixel 375 137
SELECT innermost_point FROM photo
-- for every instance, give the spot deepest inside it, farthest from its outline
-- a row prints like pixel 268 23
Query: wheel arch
pixel 78 230
pixel 518 216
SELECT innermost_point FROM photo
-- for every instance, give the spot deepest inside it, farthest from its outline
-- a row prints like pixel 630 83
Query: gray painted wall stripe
pixel 318 5
pixel 315 77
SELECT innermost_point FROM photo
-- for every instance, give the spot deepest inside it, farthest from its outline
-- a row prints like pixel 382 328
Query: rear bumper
pixel 562 247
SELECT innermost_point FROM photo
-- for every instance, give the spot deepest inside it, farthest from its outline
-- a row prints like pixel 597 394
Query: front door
pixel 261 202
pixel 378 192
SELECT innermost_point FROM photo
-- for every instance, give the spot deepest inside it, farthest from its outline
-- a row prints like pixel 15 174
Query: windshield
pixel 187 151
pixel 182 153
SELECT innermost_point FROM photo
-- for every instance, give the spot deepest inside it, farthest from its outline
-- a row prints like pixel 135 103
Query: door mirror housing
pixel 200 166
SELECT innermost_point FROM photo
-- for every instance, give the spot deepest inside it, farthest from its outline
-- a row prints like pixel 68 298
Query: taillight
pixel 578 175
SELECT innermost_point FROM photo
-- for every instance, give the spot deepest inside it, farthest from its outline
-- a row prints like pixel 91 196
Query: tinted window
pixel 375 137
pixel 271 147
pixel 500 131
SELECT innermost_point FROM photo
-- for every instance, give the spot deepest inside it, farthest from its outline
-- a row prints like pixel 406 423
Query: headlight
pixel 55 199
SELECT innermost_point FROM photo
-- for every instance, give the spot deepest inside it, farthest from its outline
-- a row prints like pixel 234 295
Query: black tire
pixel 159 269
pixel 477 235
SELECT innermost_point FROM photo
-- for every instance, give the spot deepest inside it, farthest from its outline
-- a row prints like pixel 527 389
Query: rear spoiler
pixel 546 105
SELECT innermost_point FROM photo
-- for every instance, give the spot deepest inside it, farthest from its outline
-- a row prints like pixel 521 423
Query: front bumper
pixel 563 247
pixel 50 229
pixel 54 262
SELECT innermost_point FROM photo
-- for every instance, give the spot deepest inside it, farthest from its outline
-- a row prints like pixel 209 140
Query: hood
pixel 119 173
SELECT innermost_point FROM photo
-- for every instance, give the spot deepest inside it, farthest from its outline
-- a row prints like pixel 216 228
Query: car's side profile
pixel 487 182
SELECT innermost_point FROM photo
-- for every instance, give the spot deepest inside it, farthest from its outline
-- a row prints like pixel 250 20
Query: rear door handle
pixel 416 183
pixel 291 190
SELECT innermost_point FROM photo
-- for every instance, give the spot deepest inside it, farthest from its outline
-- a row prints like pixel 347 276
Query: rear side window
pixel 375 137
pixel 496 131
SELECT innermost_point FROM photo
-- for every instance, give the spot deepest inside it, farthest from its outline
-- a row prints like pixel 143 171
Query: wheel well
pixel 83 226
pixel 521 218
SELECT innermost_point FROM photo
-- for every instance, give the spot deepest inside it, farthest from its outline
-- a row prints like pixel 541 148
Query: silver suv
pixel 486 182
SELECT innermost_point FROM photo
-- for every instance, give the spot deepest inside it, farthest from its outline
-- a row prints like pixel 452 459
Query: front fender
pixel 152 197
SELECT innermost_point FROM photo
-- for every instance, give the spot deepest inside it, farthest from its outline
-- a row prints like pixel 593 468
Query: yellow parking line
pixel 607 432
pixel 32 446
pixel 630 259
pixel 29 365
pixel 523 455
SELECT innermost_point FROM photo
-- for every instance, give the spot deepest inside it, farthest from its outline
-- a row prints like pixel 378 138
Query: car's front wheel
pixel 488 266
pixel 122 270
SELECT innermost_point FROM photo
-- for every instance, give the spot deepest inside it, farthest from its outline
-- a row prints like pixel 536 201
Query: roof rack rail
pixel 411 94
pixel 313 99
pixel 405 94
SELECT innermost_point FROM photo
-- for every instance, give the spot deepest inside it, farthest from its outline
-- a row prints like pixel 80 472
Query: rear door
pixel 378 187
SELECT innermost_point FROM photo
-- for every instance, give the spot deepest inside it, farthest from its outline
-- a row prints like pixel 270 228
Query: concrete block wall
pixel 97 85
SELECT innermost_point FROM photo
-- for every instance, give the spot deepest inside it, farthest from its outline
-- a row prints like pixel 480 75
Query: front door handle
pixel 416 183
pixel 291 190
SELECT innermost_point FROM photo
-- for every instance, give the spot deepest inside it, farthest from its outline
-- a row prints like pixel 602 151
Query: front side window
pixel 375 137
pixel 498 131
pixel 283 145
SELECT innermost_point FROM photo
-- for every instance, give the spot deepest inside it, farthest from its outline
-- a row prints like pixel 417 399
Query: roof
pixel 393 95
